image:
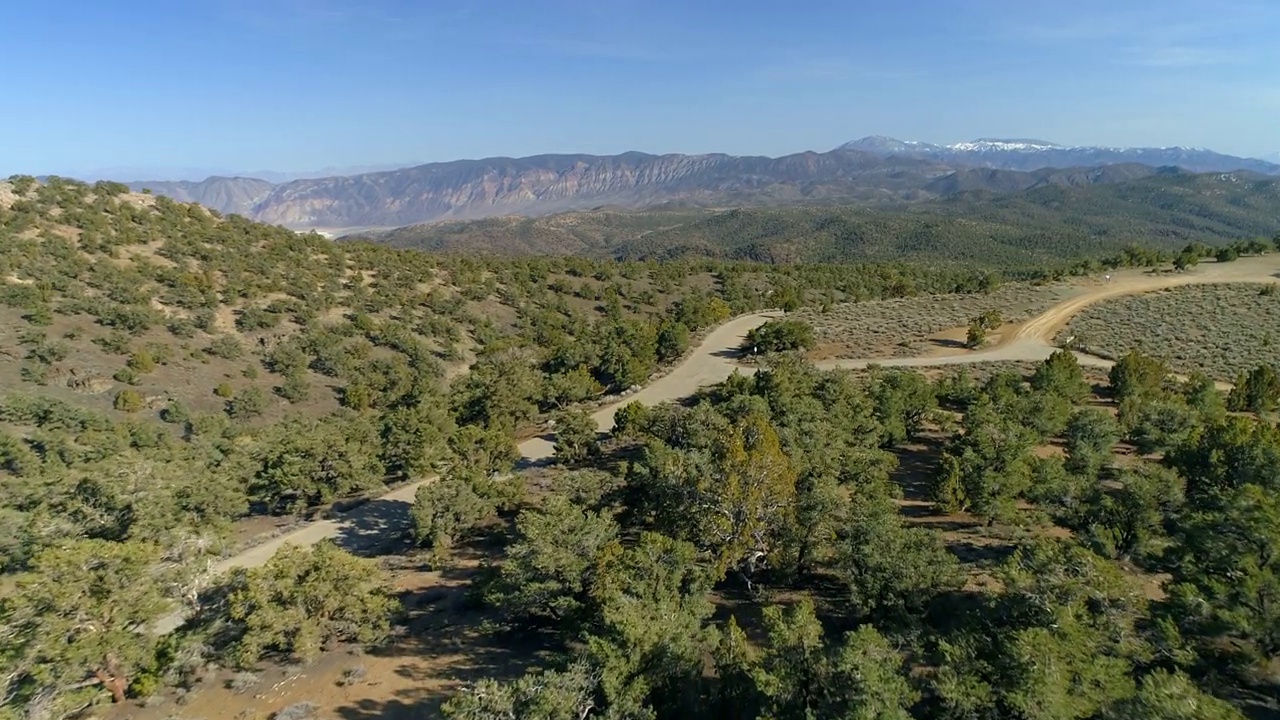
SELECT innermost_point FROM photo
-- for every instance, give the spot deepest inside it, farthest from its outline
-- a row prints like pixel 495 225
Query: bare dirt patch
pixel 7 196
pixel 442 645
pixel 1221 330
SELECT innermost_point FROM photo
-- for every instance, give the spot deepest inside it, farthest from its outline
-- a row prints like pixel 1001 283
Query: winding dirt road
pixel 385 519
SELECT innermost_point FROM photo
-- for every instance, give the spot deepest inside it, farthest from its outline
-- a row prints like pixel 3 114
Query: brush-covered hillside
pixel 169 370
pixel 1048 224
pixel 175 381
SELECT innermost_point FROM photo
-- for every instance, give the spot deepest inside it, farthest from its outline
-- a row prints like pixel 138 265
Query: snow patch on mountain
pixel 1024 154
pixel 990 145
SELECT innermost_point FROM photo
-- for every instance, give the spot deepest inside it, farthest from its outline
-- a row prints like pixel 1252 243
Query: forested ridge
pixel 759 551
pixel 1048 225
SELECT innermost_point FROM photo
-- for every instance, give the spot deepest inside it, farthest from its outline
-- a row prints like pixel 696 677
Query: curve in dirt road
pixel 386 518
pixel 1033 340
pixel 371 525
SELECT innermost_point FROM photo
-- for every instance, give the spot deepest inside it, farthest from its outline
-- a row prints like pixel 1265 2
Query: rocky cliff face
pixel 238 195
pixel 869 171
pixel 553 183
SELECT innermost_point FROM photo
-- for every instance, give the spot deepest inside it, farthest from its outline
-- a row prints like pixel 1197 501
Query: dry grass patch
pixel 1222 330
pixel 902 327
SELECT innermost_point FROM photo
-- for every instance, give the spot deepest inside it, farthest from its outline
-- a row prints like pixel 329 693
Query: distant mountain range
pixel 197 174
pixel 1066 216
pixel 874 170
pixel 1021 154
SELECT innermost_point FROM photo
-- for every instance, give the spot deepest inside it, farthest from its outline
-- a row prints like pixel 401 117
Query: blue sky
pixel 298 85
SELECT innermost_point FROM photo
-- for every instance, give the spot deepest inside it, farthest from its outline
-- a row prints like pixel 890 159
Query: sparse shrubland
pixel 793 543
pixel 899 327
pixel 1222 330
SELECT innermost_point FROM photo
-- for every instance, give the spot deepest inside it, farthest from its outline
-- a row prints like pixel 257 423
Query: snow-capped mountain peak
pixel 1001 145
pixel 1026 155
pixel 882 144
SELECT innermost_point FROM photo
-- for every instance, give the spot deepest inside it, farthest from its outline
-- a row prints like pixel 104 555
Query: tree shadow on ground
pixel 396 709
pixel 459 648
pixel 980 551
pixel 445 619
pixel 375 527
pixel 917 464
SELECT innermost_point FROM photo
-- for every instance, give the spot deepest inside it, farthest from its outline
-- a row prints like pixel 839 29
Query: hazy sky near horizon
pixel 295 85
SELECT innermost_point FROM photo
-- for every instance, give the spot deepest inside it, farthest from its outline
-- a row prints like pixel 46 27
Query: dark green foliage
pixel 256 318
pixel 1061 375
pixel 175 413
pixel 1059 640
pixel 772 485
pixel 551 565
pixel 570 386
pixel 629 419
pixel 1157 424
pixel 576 437
pixel 77 613
pixel 649 634
pixel 1256 391
pixel 501 390
pixel 779 336
pixel 1091 436
pixel 247 404
pixel 309 462
pixel 801 674
pixel 226 347
pixel 569 694
pixel 1137 375
pixel 490 451
pixel 305 598
pixel 729 492
pixel 988 468
pixel 415 437
pixel 1227 577
pixel 447 509
pixel 903 400
pixel 1171 696
pixel 295 388
pixel 628 353
pixel 892 572
pixel 980 325
pixel 1228 454
pixel 1128 521
pixel 672 340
